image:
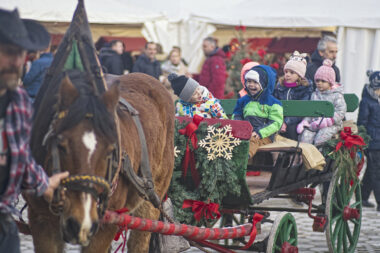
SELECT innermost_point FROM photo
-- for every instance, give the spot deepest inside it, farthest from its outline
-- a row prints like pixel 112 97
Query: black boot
pixel 366 203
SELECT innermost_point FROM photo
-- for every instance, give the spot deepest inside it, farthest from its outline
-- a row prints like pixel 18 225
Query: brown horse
pixel 85 127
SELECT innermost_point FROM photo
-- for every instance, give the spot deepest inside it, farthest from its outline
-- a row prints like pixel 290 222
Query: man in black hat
pixel 18 170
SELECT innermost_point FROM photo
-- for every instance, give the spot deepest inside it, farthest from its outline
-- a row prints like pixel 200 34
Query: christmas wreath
pixel 209 165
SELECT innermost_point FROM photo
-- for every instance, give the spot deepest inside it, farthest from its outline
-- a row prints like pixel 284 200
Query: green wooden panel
pixel 352 101
pixel 301 108
pixel 298 108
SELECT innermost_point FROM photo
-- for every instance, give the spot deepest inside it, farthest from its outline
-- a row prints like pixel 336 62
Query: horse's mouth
pixel 73 239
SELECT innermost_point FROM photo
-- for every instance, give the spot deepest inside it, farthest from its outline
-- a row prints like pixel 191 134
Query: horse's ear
pixel 67 93
pixel 111 96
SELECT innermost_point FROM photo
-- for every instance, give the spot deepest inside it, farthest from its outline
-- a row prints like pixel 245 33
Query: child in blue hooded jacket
pixel 259 107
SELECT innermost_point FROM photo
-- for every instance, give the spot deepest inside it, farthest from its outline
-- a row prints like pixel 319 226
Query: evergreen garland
pixel 219 177
pixel 345 165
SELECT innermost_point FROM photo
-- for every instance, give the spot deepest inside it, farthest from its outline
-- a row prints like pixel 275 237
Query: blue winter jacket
pixel 34 78
pixel 264 112
pixel 300 92
pixel 369 116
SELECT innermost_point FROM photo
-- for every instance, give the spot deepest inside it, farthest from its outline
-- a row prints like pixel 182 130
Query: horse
pixel 85 129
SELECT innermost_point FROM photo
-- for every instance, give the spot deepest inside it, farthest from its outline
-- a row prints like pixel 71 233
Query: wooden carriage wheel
pixel 283 234
pixel 343 209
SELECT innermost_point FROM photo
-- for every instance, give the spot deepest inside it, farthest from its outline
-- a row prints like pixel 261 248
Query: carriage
pixel 338 214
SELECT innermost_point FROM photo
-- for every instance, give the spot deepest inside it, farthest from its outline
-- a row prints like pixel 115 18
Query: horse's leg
pixel 101 241
pixel 45 229
pixel 139 241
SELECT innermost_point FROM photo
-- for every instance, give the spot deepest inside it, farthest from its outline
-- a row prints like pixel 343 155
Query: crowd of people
pixel 259 103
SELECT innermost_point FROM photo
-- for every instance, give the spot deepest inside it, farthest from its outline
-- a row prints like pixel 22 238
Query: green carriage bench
pixel 298 108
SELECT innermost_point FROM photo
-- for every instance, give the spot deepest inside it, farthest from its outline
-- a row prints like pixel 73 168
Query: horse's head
pixel 84 137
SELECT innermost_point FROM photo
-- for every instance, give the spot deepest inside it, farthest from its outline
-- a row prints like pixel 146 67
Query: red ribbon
pixel 189 131
pixel 201 209
pixel 352 142
pixel 121 232
pixel 349 140
pixel 256 218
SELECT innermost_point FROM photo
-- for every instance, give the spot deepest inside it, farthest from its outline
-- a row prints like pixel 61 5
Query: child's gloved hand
pixel 326 122
pixel 317 124
pixel 301 126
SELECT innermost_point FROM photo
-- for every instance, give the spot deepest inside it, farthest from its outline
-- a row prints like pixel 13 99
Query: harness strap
pixel 144 184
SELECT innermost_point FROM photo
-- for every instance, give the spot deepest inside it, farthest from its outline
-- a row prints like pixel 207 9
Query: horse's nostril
pixel 94 228
pixel 72 226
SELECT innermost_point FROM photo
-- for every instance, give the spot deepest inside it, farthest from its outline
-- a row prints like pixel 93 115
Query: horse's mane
pixel 86 104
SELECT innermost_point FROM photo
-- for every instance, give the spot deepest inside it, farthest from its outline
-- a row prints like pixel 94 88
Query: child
pixel 293 86
pixel 259 107
pixel 320 129
pixel 195 98
pixel 369 117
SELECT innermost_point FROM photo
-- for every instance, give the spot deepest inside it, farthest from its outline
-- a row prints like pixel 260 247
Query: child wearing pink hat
pixel 320 129
pixel 293 86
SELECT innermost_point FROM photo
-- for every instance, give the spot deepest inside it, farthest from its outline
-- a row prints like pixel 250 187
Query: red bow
pixel 351 142
pixel 201 209
pixel 189 131
pixel 256 218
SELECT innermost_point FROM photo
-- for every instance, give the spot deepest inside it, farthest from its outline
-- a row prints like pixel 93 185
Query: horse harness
pixel 102 188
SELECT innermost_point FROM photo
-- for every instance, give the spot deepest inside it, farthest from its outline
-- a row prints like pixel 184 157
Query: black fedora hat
pixel 25 33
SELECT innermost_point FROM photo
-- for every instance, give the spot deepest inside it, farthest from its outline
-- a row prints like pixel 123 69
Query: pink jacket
pixel 213 75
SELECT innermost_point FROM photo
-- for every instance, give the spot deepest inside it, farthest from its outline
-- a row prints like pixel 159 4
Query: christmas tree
pixel 241 52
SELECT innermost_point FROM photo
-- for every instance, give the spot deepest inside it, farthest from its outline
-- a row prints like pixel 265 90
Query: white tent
pixel 186 22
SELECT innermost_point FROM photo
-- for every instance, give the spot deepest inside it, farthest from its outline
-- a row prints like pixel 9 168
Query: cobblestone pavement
pixel 308 241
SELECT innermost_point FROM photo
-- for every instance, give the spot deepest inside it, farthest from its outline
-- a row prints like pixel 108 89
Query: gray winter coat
pixel 335 96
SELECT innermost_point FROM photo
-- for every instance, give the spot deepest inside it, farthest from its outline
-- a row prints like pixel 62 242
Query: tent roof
pixel 254 13
pixel 297 13
pixel 98 11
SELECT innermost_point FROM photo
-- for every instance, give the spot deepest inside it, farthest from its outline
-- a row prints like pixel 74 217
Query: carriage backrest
pixel 302 108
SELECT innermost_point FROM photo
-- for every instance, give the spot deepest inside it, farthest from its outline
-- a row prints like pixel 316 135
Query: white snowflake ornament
pixel 219 142
pixel 176 151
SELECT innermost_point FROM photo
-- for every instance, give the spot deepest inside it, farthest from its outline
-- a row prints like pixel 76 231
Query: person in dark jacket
pixel 369 117
pixel 213 74
pixel 34 78
pixel 327 48
pixel 147 62
pixel 18 169
pixel 293 86
pixel 110 58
